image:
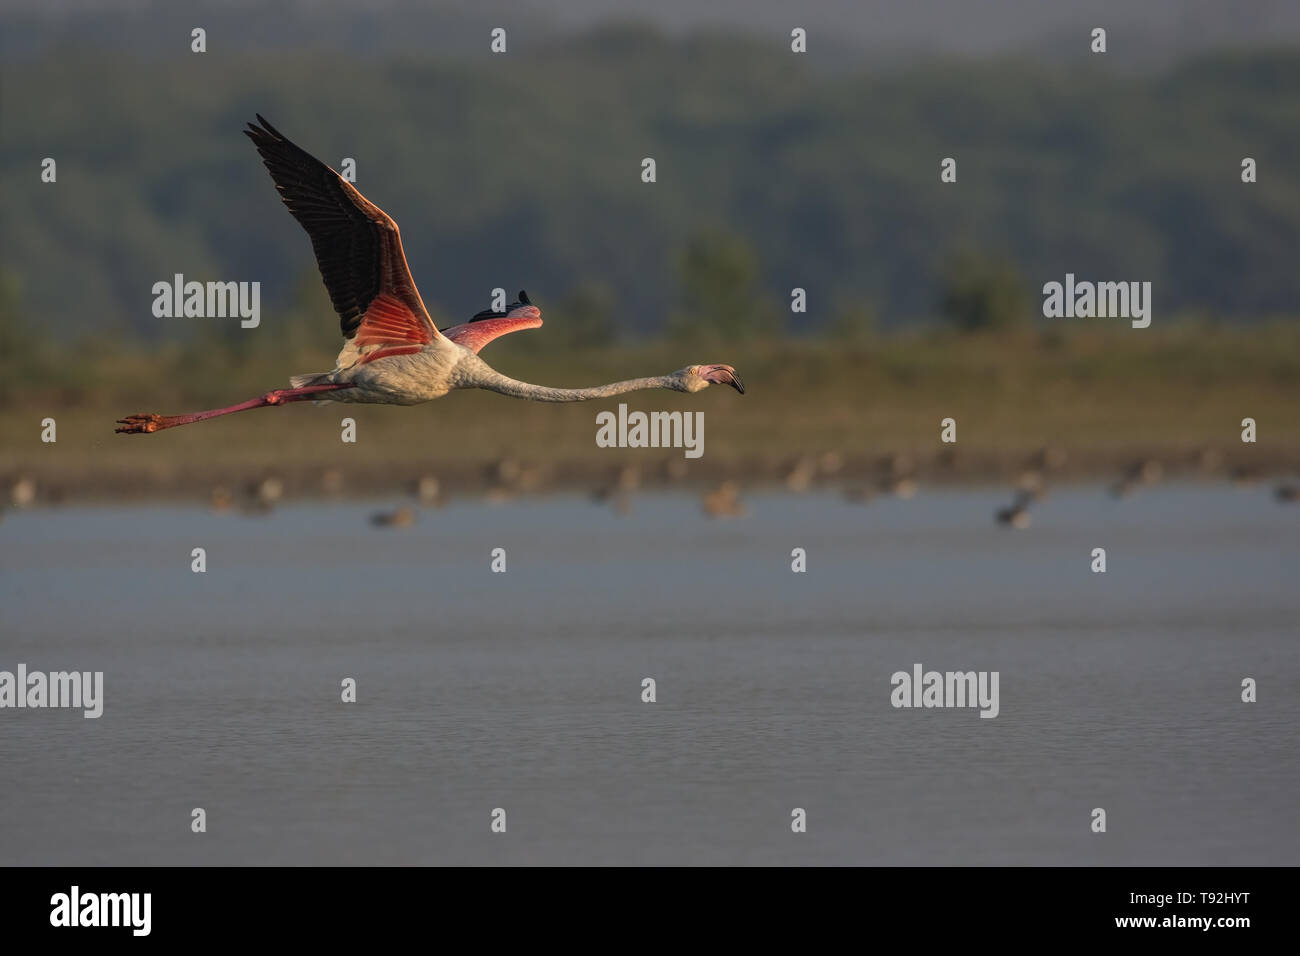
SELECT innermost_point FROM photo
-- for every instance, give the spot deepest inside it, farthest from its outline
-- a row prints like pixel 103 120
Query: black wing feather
pixel 349 239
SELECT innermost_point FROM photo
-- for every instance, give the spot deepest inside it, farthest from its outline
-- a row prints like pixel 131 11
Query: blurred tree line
pixel 530 177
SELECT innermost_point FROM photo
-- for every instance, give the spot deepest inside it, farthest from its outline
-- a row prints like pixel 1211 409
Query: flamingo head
pixel 694 378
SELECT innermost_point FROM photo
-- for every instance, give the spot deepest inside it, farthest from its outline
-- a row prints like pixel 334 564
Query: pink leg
pixel 143 424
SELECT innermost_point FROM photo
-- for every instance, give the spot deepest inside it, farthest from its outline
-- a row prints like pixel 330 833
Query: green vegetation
pixel 980 294
pixel 530 177
pixel 721 296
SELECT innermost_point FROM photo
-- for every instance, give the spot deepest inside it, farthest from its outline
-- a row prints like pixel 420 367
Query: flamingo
pixel 723 501
pixel 393 353
pixel 403 517
pixel 1017 514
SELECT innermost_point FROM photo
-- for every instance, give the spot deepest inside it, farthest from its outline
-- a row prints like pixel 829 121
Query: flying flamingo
pixel 393 353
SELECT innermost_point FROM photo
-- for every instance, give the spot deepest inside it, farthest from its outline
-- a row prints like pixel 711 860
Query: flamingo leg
pixel 144 424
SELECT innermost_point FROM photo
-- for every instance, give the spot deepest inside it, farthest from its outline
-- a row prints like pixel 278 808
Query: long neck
pixel 494 381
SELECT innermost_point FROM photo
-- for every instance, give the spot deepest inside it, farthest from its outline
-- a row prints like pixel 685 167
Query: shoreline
pixel 431 479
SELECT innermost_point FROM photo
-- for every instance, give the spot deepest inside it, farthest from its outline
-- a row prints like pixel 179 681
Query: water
pixel 522 690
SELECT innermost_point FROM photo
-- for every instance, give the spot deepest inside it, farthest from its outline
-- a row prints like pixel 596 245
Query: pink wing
pixel 358 246
pixel 475 335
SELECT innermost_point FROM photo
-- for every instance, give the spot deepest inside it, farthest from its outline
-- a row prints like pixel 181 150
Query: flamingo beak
pixel 723 375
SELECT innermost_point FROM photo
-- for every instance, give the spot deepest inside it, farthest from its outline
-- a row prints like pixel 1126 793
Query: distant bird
pixel 1245 476
pixel 393 353
pixel 1287 493
pixel 829 463
pixel 331 481
pixel 504 471
pixel 268 491
pixel 399 518
pixel 1017 514
pixel 900 477
pixel 618 490
pixel 429 490
pixel 260 497
pixel 498 495
pixel 800 474
pixel 532 477
pixel 1030 485
pixel 723 501
pixel 616 495
pixel 22 493
pixel 1146 471
pixel 507 477
pixel 1048 458
pixel 675 469
pixel 902 486
pixel 1207 459
pixel 898 463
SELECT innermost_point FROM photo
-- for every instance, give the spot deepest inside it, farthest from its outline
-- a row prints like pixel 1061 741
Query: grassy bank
pixel 1104 395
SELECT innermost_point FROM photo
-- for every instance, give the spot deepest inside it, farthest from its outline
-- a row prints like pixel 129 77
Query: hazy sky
pixel 963 26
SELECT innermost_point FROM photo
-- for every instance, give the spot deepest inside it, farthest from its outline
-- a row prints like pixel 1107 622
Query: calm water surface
pixel 523 690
